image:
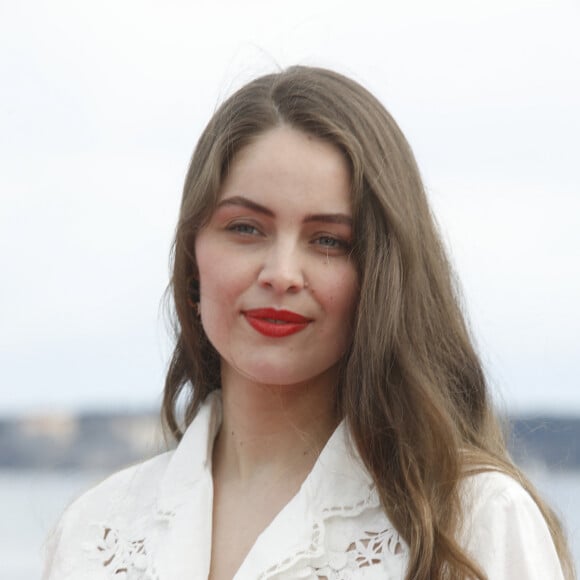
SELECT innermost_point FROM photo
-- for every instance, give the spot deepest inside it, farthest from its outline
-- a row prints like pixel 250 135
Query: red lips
pixel 275 323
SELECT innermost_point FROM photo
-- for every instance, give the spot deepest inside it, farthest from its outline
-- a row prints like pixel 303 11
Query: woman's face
pixel 277 282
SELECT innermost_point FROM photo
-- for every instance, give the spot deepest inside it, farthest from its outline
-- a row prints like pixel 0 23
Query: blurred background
pixel 101 104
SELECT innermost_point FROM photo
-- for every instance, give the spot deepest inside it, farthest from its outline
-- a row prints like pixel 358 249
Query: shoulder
pixel 119 489
pixel 120 520
pixel 494 487
pixel 505 531
pixel 126 496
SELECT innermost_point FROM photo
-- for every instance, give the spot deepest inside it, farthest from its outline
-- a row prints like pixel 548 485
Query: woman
pixel 335 417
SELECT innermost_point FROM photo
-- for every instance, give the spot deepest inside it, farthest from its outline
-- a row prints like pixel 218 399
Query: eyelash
pixel 336 243
pixel 324 241
pixel 243 228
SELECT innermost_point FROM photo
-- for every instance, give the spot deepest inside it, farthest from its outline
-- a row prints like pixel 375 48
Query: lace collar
pixel 337 483
pixel 316 535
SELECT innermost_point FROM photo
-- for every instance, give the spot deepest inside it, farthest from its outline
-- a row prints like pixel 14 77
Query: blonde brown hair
pixel 413 392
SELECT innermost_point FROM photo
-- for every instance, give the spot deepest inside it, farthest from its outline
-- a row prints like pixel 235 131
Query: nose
pixel 282 269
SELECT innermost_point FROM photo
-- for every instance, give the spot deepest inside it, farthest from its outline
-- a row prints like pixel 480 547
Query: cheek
pixel 220 286
pixel 348 304
pixel 342 295
pixel 217 305
pixel 222 279
pixel 212 265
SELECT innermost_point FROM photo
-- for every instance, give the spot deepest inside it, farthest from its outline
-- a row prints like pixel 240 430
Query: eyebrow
pixel 245 202
pixel 333 218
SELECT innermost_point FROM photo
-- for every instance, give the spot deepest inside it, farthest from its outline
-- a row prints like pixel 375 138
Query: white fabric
pixel 153 522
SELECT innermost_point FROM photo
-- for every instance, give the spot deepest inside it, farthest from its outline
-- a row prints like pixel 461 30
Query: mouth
pixel 276 323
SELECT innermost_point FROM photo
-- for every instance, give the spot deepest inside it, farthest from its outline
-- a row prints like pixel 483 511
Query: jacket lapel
pixel 338 485
pixel 184 507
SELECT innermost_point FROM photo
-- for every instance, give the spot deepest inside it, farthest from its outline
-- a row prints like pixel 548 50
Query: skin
pixel 280 238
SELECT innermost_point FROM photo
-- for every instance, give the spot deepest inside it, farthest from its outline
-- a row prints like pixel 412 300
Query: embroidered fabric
pixel 372 550
pixel 122 558
pixel 129 558
pixel 154 523
pixel 336 550
pixel 290 562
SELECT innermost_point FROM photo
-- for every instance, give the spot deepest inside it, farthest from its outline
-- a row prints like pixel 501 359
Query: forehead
pixel 288 165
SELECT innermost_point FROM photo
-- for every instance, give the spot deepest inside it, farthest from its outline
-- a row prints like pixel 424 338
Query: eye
pixel 332 243
pixel 243 228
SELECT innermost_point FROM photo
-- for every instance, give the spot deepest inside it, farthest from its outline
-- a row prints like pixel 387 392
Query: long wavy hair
pixel 413 392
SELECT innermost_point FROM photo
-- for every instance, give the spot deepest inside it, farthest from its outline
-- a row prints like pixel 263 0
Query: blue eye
pixel 332 243
pixel 328 241
pixel 243 228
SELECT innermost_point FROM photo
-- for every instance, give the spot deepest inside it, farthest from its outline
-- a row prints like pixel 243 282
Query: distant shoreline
pixel 106 441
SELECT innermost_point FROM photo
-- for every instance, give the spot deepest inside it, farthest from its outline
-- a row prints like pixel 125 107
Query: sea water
pixel 31 503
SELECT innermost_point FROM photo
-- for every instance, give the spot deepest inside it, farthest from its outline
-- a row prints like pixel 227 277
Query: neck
pixel 272 431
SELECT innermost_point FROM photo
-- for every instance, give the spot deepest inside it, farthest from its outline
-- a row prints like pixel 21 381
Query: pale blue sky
pixel 102 103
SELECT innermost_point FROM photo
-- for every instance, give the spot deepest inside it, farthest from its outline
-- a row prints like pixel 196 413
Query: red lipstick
pixel 275 323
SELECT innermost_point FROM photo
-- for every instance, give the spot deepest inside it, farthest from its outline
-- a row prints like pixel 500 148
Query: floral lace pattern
pixel 380 550
pixel 289 562
pixel 369 500
pixel 123 558
pixel 341 533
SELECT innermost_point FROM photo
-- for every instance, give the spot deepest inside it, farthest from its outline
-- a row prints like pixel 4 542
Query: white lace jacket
pixel 153 522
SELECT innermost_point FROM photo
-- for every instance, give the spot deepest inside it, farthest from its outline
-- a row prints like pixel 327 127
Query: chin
pixel 288 374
